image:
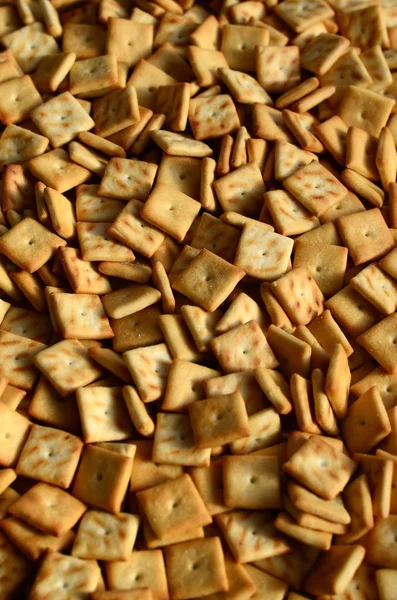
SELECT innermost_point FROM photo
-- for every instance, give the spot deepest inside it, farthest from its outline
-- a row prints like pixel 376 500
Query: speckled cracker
pixel 81 316
pixel 302 303
pixel 29 45
pixel 17 359
pixel 243 87
pixel 241 190
pixel 125 179
pixel 149 368
pixel 61 119
pixel 97 245
pixel 144 568
pixel 50 455
pixel 321 468
pixel 18 144
pixel 67 366
pixel 56 170
pixel 224 117
pixel 174 442
pixel 102 536
pixel 115 111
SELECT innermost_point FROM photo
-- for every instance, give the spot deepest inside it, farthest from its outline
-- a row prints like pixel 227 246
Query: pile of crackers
pixel 198 280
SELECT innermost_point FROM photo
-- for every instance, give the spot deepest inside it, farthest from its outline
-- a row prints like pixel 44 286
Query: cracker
pixel 300 309
pixel 352 311
pixel 144 568
pixel 62 108
pixel 321 468
pixel 62 448
pixel 208 280
pixel 301 17
pixel 139 272
pixel 276 389
pixel 325 263
pixel 174 442
pixel 149 368
pixel 365 109
pixel 176 144
pixel 224 117
pixel 201 324
pixel 18 145
pixel 137 330
pixel 185 384
pixel 103 414
pixel 331 510
pixel 20 97
pixel 146 473
pixel 243 347
pixel 268 123
pixel 263 254
pixel 265 584
pixel 182 506
pixel 125 179
pixel 59 571
pixel 81 316
pixel 103 536
pixel 115 111
pixel 56 170
pixel 97 245
pixel 176 335
pixel 29 45
pixel 262 482
pixel 146 79
pixel 48 508
pixel 242 310
pixel 377 287
pixel 82 275
pixel 67 366
pixel 173 101
pixel 129 41
pixel 365 235
pixel 128 300
pixel 334 570
pixel 102 478
pixel 101 144
pixel 337 381
pixel 52 409
pixel 85 39
pixel 170 210
pixel 320 54
pixel 264 431
pixel 318 539
pixel 129 227
pixel 207 567
pixel 233 193
pixel 94 76
pixel 277 67
pixel 238 45
pixel 127 136
pixel 250 535
pixel 370 340
pixel 243 87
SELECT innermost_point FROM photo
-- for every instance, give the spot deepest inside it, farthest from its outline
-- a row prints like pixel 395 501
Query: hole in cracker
pixel 175 504
pixel 253 479
pixel 138 577
pixel 318 269
pixel 362 423
pixel 395 341
pixel 31 242
pixel 99 477
pixel 195 566
pixel 7 435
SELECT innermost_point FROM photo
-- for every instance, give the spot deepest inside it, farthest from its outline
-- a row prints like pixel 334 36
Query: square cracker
pixel 238 45
pixel 67 366
pixel 16 355
pixel 20 96
pixel 93 208
pixel 146 79
pixel 16 429
pixel 144 568
pixel 170 210
pixel 185 384
pixel 320 467
pixel 208 280
pixel 380 342
pixel 129 41
pixel 125 179
pixel 300 17
pixel 218 420
pixel 365 235
pixel 56 170
pixel 243 347
pixel 325 263
pixel 278 67
pixel 50 455
pixel 334 570
pixel 102 478
pixel 319 539
pixel 29 45
pixel 18 145
pixel 82 275
pixel 85 39
pixel 196 564
pixel 299 295
pixel 18 243
pixel 173 101
pixel 288 215
pixel 149 368
pixel 319 55
pixel 59 573
pixel 137 330
pixel 263 254
pixel 48 508
pixel 116 111
pixel 365 109
pixel 14 567
pixel 251 535
pixel 103 414
pixel 52 409
pixel 315 187
pixel 81 316
pixel 213 116
pixel 251 482
pixel 97 245
pixel 201 324
pixel 103 536
pixel 173 506
pixel 61 119
pixel 331 510
pixel 377 287
pixel 52 70
pixel 131 229
pixel 241 190
pixel 352 311
pixel 243 87
pixel 174 442
pixel 176 144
